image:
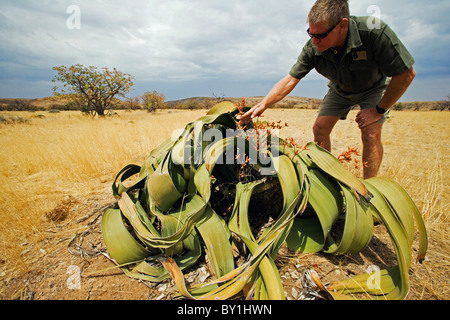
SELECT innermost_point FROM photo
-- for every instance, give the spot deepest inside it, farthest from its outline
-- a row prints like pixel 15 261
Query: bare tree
pixel 445 104
pixel 96 90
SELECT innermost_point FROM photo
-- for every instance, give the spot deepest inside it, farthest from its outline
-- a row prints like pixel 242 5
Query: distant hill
pixel 19 104
pixel 290 102
pixel 208 102
pixel 294 102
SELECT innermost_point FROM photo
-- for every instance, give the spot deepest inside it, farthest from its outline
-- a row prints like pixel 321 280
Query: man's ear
pixel 344 24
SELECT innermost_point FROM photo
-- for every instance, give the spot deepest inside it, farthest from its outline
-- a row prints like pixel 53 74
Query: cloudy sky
pixel 186 48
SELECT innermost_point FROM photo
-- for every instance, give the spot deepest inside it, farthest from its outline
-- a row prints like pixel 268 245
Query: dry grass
pixel 50 162
pixel 416 153
pixel 66 154
pixel 416 145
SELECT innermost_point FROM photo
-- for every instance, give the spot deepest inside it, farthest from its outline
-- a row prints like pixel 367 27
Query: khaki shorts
pixel 339 104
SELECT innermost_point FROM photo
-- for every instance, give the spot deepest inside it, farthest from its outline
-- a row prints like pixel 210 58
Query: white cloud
pixel 251 41
pixel 182 38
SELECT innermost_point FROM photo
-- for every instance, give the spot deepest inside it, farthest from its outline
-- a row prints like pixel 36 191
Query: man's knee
pixel 323 126
pixel 371 134
pixel 318 130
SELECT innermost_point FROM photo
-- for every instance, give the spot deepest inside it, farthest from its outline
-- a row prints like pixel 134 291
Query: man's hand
pixel 366 117
pixel 395 90
pixel 254 112
pixel 278 92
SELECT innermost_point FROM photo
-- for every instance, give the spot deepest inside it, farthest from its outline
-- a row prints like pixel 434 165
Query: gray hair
pixel 329 11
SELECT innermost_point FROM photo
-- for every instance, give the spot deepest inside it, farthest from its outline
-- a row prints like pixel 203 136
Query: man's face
pixel 333 39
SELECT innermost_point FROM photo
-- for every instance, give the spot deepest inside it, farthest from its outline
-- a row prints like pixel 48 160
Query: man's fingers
pixel 246 117
pixel 250 114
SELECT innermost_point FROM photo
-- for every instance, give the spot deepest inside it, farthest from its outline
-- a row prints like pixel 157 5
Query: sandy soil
pixel 70 264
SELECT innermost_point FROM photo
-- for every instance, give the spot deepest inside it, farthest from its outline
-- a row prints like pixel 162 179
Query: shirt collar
pixel 353 38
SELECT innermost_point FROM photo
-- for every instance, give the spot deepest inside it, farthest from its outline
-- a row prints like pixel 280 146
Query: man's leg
pixel 322 129
pixel 372 149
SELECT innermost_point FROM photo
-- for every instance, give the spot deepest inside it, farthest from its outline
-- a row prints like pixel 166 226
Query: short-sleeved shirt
pixel 370 55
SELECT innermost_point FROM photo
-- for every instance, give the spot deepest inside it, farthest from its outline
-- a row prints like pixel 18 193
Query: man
pixel 366 64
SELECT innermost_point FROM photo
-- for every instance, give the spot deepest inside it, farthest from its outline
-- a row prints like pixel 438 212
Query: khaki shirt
pixel 369 56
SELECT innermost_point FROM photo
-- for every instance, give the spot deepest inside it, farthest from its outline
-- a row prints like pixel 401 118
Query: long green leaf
pixel 358 226
pixel 169 210
pixel 120 243
pixel 406 210
pixel 222 107
pixel 127 172
pixel 240 226
pixel 194 208
pixel 395 283
pixel 215 237
pixel 164 186
pixel 154 272
pixel 332 166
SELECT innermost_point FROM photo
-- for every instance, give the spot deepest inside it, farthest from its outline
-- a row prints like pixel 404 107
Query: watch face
pixel 380 110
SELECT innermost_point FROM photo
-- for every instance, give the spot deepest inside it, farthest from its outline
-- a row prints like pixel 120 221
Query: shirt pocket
pixel 359 66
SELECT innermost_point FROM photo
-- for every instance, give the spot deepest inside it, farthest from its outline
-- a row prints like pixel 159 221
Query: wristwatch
pixel 380 110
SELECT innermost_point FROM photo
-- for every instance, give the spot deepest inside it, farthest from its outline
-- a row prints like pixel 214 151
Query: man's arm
pixel 278 92
pixel 395 90
pixel 398 86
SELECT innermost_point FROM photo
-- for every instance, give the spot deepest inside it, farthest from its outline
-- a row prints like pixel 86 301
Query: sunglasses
pixel 322 35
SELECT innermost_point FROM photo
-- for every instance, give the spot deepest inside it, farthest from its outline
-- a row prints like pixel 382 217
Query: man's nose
pixel 315 41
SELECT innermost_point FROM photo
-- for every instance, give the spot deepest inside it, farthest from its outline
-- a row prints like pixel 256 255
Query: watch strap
pixel 380 110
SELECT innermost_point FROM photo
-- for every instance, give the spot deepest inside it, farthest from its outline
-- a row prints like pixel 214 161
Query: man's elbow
pixel 406 77
pixel 412 73
pixel 409 75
